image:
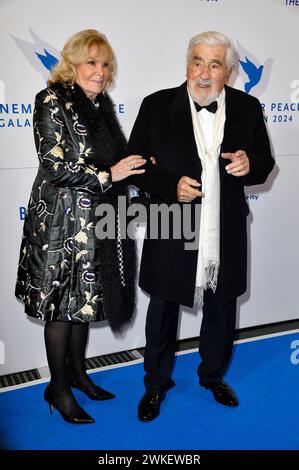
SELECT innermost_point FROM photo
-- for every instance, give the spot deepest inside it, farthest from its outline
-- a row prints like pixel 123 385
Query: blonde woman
pixel 68 277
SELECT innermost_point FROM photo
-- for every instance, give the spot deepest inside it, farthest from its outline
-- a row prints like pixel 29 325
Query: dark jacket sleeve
pixel 61 154
pixel 156 181
pixel 259 152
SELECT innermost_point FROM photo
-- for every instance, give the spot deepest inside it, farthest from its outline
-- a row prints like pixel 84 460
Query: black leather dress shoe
pixel 98 393
pixel 222 392
pixel 149 405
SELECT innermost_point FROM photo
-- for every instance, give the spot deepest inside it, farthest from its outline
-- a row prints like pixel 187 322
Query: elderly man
pixel 209 140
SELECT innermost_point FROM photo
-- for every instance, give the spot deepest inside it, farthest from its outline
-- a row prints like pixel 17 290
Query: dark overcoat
pixel 164 130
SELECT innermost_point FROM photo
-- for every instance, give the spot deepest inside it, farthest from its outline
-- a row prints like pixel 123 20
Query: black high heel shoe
pixel 98 394
pixel 80 418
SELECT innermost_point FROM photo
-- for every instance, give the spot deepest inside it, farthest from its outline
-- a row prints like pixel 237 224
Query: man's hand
pixel 240 163
pixel 186 189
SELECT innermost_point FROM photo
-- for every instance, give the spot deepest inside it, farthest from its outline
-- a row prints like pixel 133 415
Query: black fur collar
pixel 108 140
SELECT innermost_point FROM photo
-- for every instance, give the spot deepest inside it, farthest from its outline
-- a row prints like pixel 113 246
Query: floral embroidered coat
pixel 65 273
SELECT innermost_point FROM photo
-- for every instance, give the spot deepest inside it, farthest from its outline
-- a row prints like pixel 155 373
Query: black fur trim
pixel 107 137
pixel 118 300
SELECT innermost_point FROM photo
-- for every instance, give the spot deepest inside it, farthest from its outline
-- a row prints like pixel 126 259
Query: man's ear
pixel 229 72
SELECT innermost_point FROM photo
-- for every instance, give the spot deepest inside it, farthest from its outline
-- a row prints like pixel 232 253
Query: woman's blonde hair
pixel 75 51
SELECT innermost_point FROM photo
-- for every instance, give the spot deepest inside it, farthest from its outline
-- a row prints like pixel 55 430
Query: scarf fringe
pixel 210 282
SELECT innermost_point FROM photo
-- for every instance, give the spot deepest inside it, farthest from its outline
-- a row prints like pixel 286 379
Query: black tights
pixel 65 346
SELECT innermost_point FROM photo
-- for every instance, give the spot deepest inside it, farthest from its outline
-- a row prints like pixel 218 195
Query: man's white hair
pixel 214 38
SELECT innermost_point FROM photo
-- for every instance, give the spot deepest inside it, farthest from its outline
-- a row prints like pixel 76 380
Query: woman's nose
pixel 101 70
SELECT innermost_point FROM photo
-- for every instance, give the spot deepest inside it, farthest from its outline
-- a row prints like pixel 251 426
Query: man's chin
pixel 207 99
pixel 204 101
pixel 203 98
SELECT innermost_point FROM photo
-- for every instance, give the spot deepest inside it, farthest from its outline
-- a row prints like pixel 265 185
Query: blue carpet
pixel 266 381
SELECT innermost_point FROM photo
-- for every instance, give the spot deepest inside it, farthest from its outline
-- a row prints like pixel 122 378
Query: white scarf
pixel 208 261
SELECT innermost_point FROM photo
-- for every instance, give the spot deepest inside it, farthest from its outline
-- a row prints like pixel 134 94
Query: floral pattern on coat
pixel 61 273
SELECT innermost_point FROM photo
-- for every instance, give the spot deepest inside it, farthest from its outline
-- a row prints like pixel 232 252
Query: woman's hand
pixel 127 167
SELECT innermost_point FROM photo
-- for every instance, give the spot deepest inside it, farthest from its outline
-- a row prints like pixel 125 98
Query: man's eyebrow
pixel 213 61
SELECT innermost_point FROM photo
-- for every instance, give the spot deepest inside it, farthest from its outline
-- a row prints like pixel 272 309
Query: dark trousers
pixel 215 341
